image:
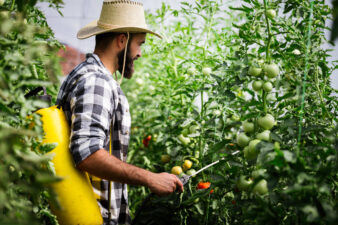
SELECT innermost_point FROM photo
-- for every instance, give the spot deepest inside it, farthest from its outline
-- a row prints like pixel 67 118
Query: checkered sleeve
pixel 90 104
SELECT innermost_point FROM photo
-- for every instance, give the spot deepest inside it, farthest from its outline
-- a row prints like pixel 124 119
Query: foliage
pixel 334 32
pixel 27 60
pixel 298 160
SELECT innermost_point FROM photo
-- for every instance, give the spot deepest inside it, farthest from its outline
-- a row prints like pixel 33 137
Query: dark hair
pixel 103 40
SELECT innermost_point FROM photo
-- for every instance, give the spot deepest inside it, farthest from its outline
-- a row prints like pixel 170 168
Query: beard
pixel 129 67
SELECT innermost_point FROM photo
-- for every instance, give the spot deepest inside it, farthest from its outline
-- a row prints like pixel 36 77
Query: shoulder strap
pixel 68 87
pixel 44 97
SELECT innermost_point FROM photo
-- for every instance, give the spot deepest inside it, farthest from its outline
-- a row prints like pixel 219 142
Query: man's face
pixel 133 53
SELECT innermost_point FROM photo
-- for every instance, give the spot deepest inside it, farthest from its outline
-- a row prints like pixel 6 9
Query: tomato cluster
pixel 146 141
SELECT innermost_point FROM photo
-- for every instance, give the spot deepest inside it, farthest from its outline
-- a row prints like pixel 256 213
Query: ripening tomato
pixel 187 165
pixel 145 143
pixel 165 158
pixel 177 170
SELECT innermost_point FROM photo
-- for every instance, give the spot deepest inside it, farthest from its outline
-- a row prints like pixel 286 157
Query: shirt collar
pixel 92 56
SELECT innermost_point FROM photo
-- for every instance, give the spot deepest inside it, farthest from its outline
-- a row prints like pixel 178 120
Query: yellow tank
pixel 74 192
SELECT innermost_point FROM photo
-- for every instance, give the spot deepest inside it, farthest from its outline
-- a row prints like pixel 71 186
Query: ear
pixel 121 41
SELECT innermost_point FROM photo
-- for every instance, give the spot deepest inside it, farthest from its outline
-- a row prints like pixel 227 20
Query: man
pixel 98 111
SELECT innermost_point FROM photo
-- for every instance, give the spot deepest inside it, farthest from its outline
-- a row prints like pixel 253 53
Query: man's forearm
pixel 106 166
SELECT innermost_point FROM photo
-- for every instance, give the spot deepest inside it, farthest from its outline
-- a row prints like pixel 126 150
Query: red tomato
pixel 146 141
pixel 203 185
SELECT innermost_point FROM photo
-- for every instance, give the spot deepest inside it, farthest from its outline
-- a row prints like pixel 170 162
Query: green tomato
pixel 271 97
pixel 257 85
pixel 151 88
pixel 271 70
pixel 270 13
pixel 254 71
pixel 296 52
pixel 264 136
pixel 242 140
pixel 191 172
pixel 206 71
pixel 277 145
pixel 267 122
pixel 185 132
pixel 248 127
pixel 261 188
pixel 267 86
pixel 139 81
pixel 249 155
pixel 193 129
pixel 258 173
pixel 217 113
pixel 184 140
pixel 252 145
pixel 235 117
pixel 4 14
pixel 165 158
pixel 243 184
pixel 192 71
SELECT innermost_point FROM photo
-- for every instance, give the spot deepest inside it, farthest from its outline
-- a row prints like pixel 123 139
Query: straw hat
pixel 117 16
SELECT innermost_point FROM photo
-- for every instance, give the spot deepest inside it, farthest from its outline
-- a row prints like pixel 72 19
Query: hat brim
pixel 92 29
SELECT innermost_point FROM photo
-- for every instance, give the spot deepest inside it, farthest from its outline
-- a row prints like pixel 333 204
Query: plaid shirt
pixel 93 103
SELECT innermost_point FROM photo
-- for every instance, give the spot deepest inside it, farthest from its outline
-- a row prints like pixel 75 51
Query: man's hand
pixel 108 167
pixel 164 183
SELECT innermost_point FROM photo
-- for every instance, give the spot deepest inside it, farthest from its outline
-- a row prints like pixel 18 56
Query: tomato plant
pixel 268 95
pixel 27 60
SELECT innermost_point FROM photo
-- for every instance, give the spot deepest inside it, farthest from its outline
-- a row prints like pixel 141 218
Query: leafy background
pixel 27 60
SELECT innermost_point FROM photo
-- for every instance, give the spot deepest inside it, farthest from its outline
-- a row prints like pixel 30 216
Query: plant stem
pixel 12 6
pixel 267 51
pixel 308 45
